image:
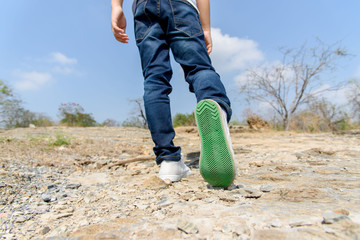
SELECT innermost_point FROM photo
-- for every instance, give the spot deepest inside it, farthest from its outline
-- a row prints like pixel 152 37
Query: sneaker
pixel 173 170
pixel 217 165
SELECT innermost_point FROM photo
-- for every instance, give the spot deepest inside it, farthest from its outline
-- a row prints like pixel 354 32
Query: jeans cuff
pixel 167 158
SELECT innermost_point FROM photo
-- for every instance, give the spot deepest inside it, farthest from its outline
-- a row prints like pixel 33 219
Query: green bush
pixel 184 119
pixel 60 140
pixel 72 115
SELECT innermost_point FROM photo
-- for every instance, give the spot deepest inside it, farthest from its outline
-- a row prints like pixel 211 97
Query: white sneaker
pixel 173 170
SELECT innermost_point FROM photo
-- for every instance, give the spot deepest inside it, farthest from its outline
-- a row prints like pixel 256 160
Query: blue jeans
pixel 161 25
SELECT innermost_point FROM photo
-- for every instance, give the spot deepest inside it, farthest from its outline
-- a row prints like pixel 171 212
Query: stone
pixel 187 227
pixel 276 223
pixel 252 193
pixel 51 186
pixel 45 230
pixel 155 183
pixel 48 198
pixel 73 186
pixel 62 215
pixel 299 223
pixel 266 188
pixel 330 217
pixel 21 219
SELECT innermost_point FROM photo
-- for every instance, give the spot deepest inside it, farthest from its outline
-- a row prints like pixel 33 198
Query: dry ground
pixel 289 186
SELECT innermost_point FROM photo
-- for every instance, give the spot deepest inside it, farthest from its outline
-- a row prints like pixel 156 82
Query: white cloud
pixel 233 53
pixel 338 97
pixel 269 69
pixel 31 80
pixel 63 70
pixel 58 57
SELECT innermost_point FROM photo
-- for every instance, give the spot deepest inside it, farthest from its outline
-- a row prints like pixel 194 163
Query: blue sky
pixel 53 52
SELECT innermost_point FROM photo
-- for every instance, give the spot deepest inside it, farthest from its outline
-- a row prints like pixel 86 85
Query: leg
pixel 154 52
pixel 217 165
pixel 188 46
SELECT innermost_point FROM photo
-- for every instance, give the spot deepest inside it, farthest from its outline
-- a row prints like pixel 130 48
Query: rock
pixel 187 227
pixel 51 186
pixel 73 186
pixel 226 198
pixel 21 219
pixel 266 188
pixel 276 223
pixel 252 193
pixel 48 198
pixel 45 230
pixel 331 217
pixel 299 223
pixel 155 183
pixel 62 215
pixel 164 202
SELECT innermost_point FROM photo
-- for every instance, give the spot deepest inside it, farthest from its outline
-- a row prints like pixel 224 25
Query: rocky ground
pixel 72 183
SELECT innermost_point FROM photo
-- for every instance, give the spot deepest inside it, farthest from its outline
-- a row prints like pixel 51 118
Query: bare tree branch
pixel 287 85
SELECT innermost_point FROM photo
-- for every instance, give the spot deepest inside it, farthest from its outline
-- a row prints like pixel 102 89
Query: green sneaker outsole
pixel 216 160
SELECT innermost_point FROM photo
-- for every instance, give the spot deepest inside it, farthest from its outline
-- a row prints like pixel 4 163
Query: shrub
pixel 60 140
pixel 184 119
pixel 256 122
pixel 72 114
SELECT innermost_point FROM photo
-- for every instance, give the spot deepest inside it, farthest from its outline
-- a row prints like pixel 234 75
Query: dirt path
pixel 289 186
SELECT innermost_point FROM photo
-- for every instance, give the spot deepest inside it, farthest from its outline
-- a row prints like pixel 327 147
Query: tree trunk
pixel 286 123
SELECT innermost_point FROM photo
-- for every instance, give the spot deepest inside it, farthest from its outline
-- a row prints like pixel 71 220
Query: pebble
pixel 51 186
pixel 299 223
pixel 45 230
pixel 48 198
pixel 187 227
pixel 266 188
pixel 252 193
pixel 73 186
pixel 276 223
pixel 330 217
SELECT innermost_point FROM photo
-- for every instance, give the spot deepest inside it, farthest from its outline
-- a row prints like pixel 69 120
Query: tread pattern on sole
pixel 216 161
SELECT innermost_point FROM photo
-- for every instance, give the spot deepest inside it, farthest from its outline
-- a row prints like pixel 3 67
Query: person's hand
pixel 208 41
pixel 118 24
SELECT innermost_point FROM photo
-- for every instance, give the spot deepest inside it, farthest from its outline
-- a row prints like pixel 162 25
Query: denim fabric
pixel 161 25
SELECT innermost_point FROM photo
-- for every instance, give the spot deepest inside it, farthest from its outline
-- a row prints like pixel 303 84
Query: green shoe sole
pixel 216 161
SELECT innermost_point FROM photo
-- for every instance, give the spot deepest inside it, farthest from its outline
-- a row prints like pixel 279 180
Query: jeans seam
pixel 150 22
pixel 172 10
pixel 138 2
pixel 158 8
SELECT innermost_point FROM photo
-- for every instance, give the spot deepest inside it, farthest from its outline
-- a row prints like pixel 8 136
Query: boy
pixel 184 27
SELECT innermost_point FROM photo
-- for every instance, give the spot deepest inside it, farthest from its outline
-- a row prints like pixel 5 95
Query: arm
pixel 118 21
pixel 204 9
